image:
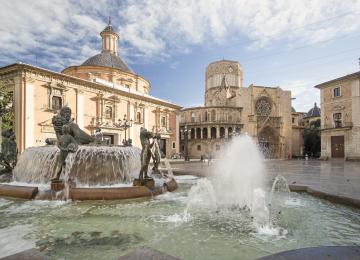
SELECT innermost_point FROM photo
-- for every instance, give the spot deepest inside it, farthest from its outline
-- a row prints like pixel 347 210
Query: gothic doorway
pixel 269 142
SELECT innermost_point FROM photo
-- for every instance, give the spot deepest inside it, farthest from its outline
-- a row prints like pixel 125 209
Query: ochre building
pixel 340 117
pixel 100 92
pixel 262 112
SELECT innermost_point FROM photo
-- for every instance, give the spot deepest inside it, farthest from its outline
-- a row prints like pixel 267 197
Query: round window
pixel 263 107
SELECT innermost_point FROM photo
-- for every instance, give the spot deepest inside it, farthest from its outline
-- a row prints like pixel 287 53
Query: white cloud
pixel 304 93
pixel 62 31
pixel 154 27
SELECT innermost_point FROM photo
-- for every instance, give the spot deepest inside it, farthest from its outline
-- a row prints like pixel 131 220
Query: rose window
pixel 263 107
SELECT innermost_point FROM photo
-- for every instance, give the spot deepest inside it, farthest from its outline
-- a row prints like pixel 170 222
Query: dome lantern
pixel 110 39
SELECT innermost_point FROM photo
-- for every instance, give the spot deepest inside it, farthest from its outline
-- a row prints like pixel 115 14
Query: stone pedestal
pixel 57 185
pixel 148 182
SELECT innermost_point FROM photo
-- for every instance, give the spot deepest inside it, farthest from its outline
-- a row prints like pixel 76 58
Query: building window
pixel 213 132
pixel 56 103
pixel 192 117
pixel 108 112
pixel 138 117
pixel 173 145
pixel 205 133
pixel 293 120
pixel 222 132
pixel 163 121
pixel 205 116
pixel 263 107
pixel 337 92
pixel 337 120
pixel 127 85
pixel 192 133
pixel 199 147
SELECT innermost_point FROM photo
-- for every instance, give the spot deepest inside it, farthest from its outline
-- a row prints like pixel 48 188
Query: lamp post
pixel 185 131
pixel 124 124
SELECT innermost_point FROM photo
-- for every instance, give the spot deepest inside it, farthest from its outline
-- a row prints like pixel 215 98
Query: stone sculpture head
pixel 65 112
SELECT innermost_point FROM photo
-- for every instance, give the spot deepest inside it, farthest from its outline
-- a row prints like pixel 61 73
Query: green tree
pixel 6 108
pixel 312 139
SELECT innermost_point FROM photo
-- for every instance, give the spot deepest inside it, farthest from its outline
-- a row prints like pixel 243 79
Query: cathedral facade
pixel 230 108
pixel 104 94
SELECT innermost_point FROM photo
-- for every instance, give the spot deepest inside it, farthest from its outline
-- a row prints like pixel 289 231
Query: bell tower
pixel 110 39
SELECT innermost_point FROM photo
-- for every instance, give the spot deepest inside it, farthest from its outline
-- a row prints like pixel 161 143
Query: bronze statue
pixel 67 144
pixel 156 154
pixel 8 155
pixel 64 118
pixel 145 137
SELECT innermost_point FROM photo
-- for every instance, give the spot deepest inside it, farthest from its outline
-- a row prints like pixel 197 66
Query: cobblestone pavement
pixel 335 177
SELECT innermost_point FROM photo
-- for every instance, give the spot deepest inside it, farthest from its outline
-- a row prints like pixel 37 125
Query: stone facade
pixel 262 112
pixel 98 94
pixel 340 117
pixel 297 141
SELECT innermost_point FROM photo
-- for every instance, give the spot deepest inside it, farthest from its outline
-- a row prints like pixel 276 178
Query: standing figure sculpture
pixel 67 144
pixel 8 154
pixel 64 118
pixel 145 137
pixel 156 154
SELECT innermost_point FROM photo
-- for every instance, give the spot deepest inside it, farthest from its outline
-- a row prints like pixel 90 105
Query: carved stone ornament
pixel 263 107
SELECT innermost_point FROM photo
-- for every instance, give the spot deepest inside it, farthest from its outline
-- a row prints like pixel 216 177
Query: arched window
pixel 205 133
pixel 230 132
pixel 222 132
pixel 192 117
pixel 205 116
pixel 213 132
pixel 138 117
pixel 192 133
pixel 198 133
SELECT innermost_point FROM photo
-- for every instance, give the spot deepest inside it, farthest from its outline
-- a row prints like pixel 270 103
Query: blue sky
pixel 292 44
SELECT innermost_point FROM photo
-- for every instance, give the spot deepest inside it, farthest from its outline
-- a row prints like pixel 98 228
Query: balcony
pixel 337 125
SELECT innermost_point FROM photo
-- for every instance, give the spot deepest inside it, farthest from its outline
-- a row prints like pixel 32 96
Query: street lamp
pixel 185 131
pixel 124 124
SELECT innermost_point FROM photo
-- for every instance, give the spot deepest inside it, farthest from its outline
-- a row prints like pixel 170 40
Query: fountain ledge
pixel 326 195
pixel 108 193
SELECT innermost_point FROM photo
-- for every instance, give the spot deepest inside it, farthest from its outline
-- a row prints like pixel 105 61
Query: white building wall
pixel 29 116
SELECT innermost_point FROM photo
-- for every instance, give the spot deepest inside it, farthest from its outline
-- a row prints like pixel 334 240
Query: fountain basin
pixel 15 191
pixel 93 193
pixel 108 229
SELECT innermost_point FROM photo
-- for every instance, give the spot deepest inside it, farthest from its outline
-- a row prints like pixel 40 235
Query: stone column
pixel 226 133
pixel 209 132
pixel 218 132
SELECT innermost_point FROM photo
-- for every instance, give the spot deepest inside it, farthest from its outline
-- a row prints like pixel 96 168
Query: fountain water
pixel 89 165
pixel 238 181
pixel 280 184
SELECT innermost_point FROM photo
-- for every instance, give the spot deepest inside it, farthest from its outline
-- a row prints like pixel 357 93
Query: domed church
pixel 104 94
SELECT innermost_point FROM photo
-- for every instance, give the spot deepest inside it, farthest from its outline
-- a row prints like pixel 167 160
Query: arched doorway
pixel 269 142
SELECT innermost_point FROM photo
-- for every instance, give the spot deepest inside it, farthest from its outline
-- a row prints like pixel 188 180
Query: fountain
pixel 80 167
pixel 229 214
